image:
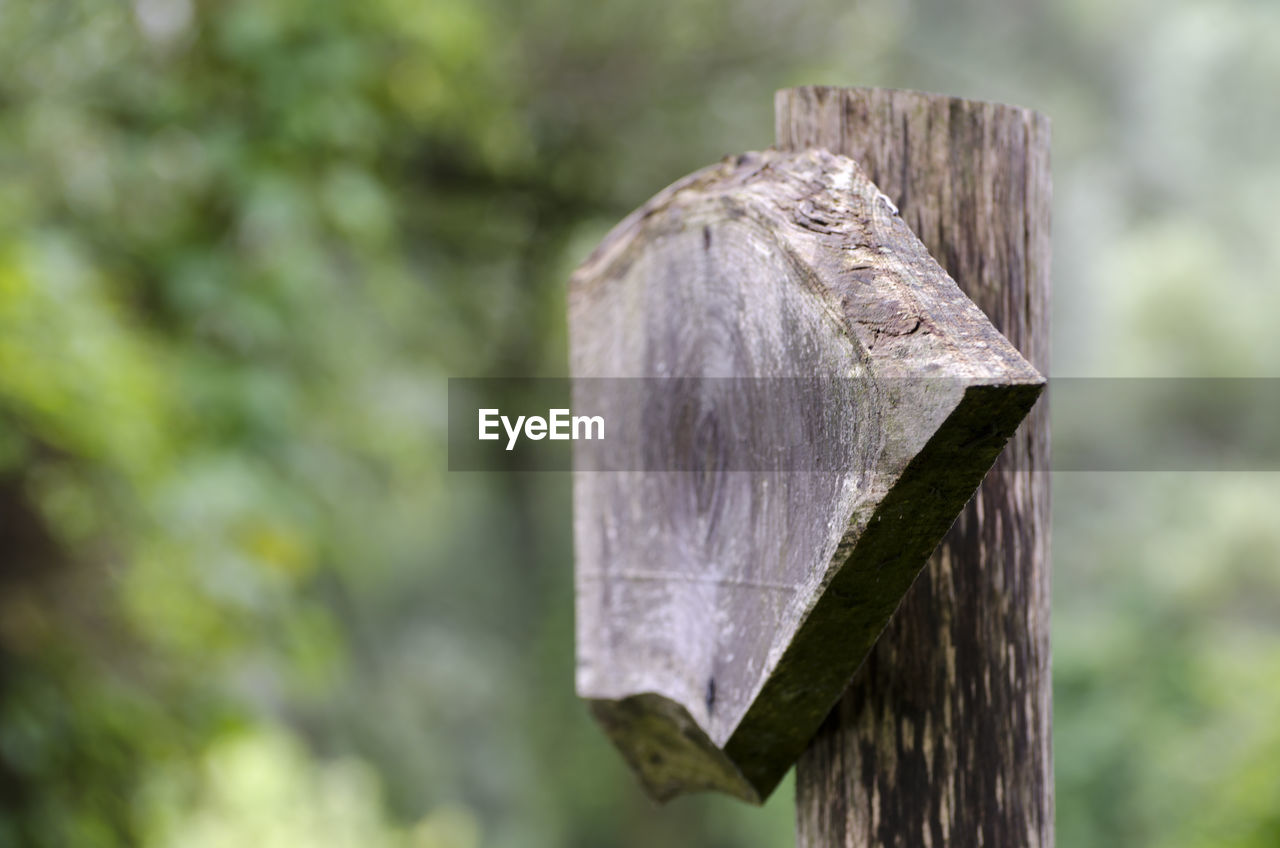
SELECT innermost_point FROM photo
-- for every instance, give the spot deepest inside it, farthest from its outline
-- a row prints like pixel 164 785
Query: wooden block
pixel 821 401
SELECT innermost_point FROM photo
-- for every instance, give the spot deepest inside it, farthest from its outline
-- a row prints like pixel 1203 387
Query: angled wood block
pixel 820 402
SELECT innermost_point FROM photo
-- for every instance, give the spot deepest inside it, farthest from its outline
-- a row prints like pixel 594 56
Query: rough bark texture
pixel 944 736
pixel 817 400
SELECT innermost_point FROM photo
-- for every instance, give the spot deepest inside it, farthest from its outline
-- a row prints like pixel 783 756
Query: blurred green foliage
pixel 242 245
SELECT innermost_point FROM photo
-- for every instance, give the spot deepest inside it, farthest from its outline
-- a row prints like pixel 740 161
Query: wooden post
pixel 943 738
pixel 798 402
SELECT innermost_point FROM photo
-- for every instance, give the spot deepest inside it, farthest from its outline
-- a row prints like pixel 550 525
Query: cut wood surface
pixel 944 736
pixel 778 307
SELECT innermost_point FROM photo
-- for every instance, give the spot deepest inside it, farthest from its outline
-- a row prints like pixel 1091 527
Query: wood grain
pixel 810 402
pixel 944 736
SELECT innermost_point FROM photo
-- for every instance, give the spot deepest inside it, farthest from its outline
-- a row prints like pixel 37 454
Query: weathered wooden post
pixel 798 402
pixel 944 736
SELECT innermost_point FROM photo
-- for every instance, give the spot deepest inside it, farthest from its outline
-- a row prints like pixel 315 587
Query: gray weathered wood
pixel 820 401
pixel 944 736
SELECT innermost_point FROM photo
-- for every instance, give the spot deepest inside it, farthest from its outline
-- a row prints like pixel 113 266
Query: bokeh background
pixel 244 243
